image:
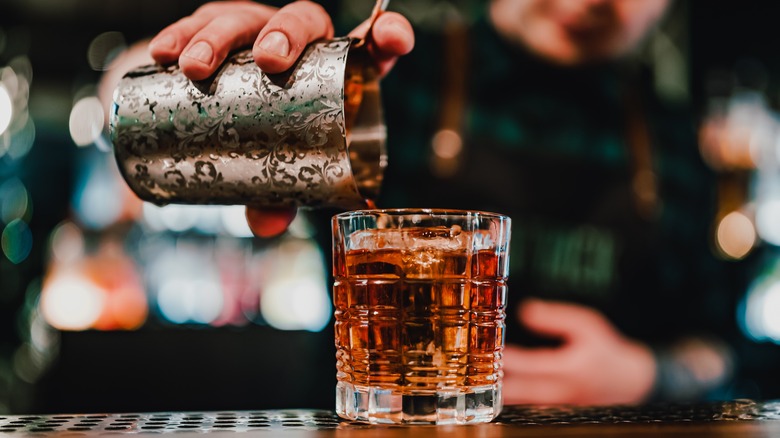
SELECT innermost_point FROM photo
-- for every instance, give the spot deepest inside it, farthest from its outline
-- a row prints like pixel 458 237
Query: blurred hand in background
pixel 595 364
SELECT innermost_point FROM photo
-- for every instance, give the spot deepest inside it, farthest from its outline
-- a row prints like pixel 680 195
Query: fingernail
pixel 165 42
pixel 201 51
pixel 276 43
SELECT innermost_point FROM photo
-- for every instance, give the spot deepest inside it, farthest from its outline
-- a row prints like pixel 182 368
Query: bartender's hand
pixel 202 41
pixel 594 365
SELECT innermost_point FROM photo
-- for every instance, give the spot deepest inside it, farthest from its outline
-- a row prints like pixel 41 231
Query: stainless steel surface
pixel 247 137
pixel 755 418
pixel 167 422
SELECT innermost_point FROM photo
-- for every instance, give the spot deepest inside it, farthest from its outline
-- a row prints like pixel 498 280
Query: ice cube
pixel 437 238
pixel 413 239
pixel 373 240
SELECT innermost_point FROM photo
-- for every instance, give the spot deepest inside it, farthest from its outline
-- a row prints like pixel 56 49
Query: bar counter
pixel 739 418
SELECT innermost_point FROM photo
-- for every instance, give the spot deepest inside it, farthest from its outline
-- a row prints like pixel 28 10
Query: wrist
pixel 689 369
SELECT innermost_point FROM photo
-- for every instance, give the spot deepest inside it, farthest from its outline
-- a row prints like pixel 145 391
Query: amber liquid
pixel 419 322
pixel 355 77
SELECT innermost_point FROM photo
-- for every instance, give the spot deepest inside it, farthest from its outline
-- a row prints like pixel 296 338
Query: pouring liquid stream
pixel 361 79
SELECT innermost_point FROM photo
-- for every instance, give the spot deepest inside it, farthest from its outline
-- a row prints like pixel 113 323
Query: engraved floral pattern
pixel 242 138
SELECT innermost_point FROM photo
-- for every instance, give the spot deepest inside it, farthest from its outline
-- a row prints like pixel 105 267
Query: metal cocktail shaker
pixel 312 136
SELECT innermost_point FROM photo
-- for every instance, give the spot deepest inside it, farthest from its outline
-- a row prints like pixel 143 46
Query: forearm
pixel 691 368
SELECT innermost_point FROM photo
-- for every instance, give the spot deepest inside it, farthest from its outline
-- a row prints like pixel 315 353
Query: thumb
pixel 393 37
pixel 561 320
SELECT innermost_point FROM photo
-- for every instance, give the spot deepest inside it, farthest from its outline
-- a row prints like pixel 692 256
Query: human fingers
pixel 534 362
pixel 392 36
pixel 269 222
pixel 287 33
pixel 201 41
pixel 562 320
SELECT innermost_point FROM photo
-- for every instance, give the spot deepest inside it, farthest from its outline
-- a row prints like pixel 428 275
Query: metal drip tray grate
pixel 172 422
pixel 741 411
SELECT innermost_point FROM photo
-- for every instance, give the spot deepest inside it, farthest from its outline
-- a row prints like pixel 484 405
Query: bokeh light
pixel 183 279
pixel 16 241
pixel 67 242
pixel 10 80
pixel 104 48
pixel 21 140
pixel 151 216
pixel 86 121
pixel 14 200
pixel 770 312
pixel 760 311
pixel 97 196
pixel 102 280
pixel 70 301
pixel 28 363
pixel 234 221
pixel 768 220
pixel 23 67
pixel 126 309
pixel 42 337
pixel 447 144
pixel 301 228
pixel 190 300
pixel 18 127
pixel 295 296
pixel 210 220
pixel 295 303
pixel 178 218
pixel 736 235
pixel 776 156
pixel 447 147
pixel 6 109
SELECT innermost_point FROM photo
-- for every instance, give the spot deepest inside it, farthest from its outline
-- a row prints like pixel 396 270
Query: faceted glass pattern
pixel 420 306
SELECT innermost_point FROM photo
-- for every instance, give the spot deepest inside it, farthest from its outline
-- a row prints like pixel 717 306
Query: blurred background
pixel 109 304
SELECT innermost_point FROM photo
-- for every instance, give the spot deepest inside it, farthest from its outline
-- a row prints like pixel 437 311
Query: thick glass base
pixel 446 406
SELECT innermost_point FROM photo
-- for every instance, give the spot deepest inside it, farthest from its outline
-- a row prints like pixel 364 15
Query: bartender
pixel 548 117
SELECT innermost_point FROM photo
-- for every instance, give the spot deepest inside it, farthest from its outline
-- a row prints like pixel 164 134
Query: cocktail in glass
pixel 420 305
